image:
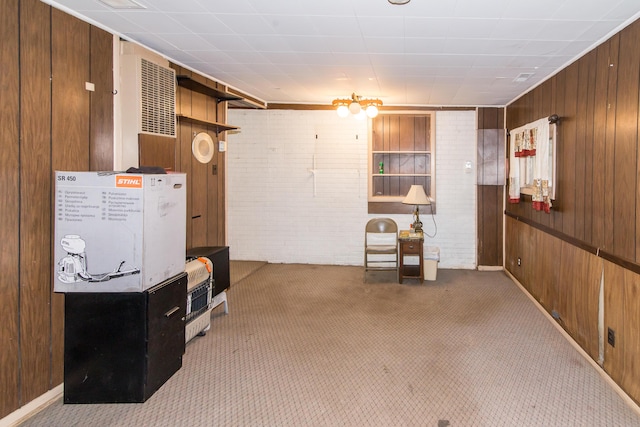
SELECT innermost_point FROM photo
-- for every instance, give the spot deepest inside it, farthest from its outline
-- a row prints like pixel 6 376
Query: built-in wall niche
pixel 401 154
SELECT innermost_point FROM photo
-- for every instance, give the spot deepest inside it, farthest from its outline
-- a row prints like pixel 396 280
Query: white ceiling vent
pixel 157 99
pixel 523 77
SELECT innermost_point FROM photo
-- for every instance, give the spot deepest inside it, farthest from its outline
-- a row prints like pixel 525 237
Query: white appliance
pixel 118 232
pixel 199 297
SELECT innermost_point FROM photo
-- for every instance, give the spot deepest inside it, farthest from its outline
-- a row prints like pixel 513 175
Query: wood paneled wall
pixel 491 161
pixel 594 225
pixel 205 182
pixel 49 122
pixel 549 269
pixel 597 98
pixel 622 309
pixel 9 208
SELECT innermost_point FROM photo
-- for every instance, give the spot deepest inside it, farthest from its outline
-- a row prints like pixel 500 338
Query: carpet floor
pixel 310 345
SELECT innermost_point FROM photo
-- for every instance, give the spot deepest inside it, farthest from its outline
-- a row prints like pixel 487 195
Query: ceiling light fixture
pixel 357 106
pixel 399 2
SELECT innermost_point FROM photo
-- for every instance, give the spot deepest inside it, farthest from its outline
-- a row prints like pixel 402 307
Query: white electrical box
pixel 118 232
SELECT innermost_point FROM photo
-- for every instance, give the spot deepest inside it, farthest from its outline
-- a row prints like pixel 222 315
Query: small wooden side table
pixel 411 245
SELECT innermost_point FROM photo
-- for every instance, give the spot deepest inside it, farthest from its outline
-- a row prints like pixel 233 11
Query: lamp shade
pixel 416 196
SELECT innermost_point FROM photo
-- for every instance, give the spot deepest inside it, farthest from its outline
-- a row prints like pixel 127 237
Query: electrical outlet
pixel 519 261
pixel 611 337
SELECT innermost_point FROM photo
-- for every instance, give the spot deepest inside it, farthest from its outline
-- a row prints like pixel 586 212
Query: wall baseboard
pixel 33 407
pixel 490 268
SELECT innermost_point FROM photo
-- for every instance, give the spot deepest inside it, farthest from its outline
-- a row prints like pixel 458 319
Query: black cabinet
pixel 122 347
pixel 219 256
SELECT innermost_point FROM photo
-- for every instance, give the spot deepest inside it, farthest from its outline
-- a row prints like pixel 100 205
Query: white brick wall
pixel 278 212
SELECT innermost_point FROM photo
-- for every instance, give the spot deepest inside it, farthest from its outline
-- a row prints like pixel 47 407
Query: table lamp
pixel 417 197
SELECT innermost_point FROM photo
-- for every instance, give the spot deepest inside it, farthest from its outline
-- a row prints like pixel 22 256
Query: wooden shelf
pixel 219 127
pixel 188 83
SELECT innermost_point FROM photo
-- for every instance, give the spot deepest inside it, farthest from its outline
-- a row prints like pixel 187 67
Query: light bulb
pixel 354 107
pixel 343 111
pixel 372 111
pixel 361 115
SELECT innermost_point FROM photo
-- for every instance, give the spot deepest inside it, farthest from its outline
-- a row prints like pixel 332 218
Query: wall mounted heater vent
pixel 146 99
pixel 157 99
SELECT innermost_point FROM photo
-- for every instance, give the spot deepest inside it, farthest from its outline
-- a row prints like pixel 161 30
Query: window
pixel 401 154
pixel 532 162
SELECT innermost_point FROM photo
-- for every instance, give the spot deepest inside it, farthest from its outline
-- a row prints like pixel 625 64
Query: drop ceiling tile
pixel 310 44
pixel 575 48
pixel 426 27
pixel 342 26
pixel 468 46
pixel 346 44
pixel 155 22
pixel 386 59
pixel 212 56
pixel 229 43
pixel 493 72
pixel 379 26
pixel 480 9
pixel 563 30
pixel 247 24
pixel 237 7
pixel 267 43
pixel 414 8
pixel 470 28
pixel 539 9
pixel 419 46
pixel 285 58
pixel 383 45
pixel 438 60
pixel 203 23
pixel 490 60
pixel 522 29
pixel 543 47
pixel 352 59
pixel 583 11
pixel 183 57
pixel 186 41
pixel 250 58
pixel 115 22
pixel 171 6
pixel 595 31
pixel 626 11
pixel 324 7
pixel 297 25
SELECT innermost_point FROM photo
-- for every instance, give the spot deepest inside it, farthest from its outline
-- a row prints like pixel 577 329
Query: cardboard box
pixel 118 232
